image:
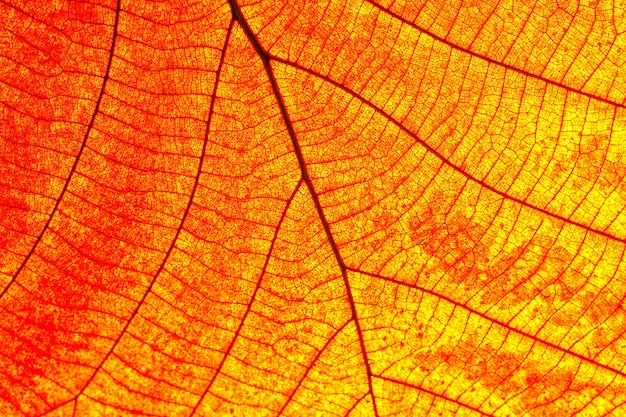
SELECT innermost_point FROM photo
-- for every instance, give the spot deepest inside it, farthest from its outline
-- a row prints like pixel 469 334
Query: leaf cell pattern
pixel 312 208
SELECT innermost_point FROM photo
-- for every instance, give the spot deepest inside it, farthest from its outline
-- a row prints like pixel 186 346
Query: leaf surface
pixel 263 208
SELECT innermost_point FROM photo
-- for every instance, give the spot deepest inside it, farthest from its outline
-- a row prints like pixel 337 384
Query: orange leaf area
pixel 312 208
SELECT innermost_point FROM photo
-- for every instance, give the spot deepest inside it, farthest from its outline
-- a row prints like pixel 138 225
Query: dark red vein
pixel 319 353
pixel 491 60
pixel 78 155
pixel 265 58
pixel 356 404
pixel 442 158
pixel 492 320
pixel 249 306
pixel 180 227
pixel 406 384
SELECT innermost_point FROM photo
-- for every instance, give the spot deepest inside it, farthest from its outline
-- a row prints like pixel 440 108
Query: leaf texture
pixel 360 208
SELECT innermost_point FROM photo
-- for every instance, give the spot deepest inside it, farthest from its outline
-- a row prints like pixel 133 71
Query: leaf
pixel 310 208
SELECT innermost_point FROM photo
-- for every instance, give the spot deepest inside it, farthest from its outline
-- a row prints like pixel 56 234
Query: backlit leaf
pixel 358 208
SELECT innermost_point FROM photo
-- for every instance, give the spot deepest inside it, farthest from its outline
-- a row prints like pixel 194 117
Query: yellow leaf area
pixel 313 208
